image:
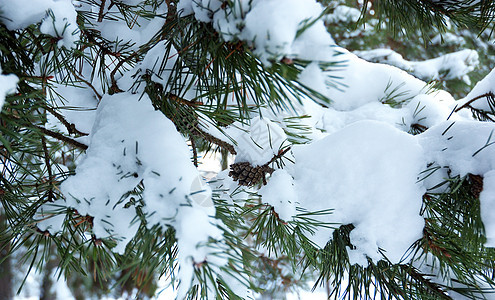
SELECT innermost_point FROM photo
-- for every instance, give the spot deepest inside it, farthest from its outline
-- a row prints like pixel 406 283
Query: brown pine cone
pixel 476 184
pixel 248 175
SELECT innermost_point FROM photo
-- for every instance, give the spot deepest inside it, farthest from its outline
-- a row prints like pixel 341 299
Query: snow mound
pixel 368 173
pixel 133 147
pixel 58 18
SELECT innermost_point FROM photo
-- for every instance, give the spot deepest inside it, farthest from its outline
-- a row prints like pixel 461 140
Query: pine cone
pixel 476 184
pixel 248 175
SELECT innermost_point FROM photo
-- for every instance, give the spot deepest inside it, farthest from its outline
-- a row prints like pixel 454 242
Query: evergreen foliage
pixel 215 82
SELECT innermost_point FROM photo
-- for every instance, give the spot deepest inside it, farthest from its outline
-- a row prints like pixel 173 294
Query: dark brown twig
pixel 49 169
pixel 468 104
pixel 61 137
pixel 114 87
pixel 279 155
pixel 195 152
pixel 183 101
pixel 71 127
pixel 100 13
pixel 212 139
pixel 87 83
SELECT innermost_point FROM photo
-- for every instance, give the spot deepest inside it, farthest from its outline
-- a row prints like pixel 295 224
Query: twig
pixel 71 127
pixel 87 83
pixel 61 137
pixel 171 11
pixel 420 277
pixel 212 139
pixel 195 152
pixel 183 101
pixel 49 169
pixel 100 13
pixel 278 156
pixel 468 104
pixel 114 87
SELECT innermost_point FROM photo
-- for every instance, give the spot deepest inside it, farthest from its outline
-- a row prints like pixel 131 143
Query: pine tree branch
pixel 183 101
pixel 61 137
pixel 212 139
pixel 71 127
pixel 439 292
pixel 87 83
pixel 468 104
pixel 100 13
pixel 114 87
pixel 279 155
pixel 195 152
pixel 48 168
pixel 104 48
pixel 480 114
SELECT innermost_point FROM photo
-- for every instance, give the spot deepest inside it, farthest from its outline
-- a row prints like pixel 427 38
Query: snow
pixel 313 77
pixel 484 86
pixel 136 147
pixel 359 159
pixel 343 13
pixel 259 143
pixel 280 194
pixel 387 56
pixel 428 110
pixel 370 181
pixel 273 36
pixel 8 84
pixel 449 66
pixel 487 203
pixel 137 31
pixel 448 38
pixel 364 82
pixel 463 146
pixel 58 18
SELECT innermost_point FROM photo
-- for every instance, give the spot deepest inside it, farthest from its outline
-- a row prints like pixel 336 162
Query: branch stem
pixel 61 137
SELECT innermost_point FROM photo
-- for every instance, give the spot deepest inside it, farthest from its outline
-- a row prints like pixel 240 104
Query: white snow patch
pixel 446 67
pixel 280 193
pixel 8 84
pixel 464 146
pixel 484 86
pixel 58 18
pixel 487 204
pixel 364 82
pixel 262 140
pixel 131 146
pixel 368 173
